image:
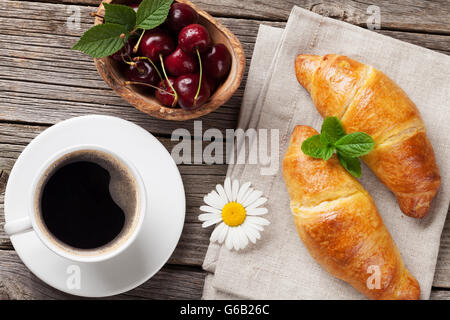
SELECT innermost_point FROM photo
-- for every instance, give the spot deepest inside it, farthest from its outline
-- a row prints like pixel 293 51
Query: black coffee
pixel 88 200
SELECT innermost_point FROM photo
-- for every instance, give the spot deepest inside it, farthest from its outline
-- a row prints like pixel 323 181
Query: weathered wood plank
pixel 439 294
pixel 442 274
pixel 61 83
pixel 4 175
pixel 423 15
pixel 172 282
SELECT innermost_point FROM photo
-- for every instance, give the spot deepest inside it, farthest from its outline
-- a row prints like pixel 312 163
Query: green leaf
pixel 151 13
pixel 327 153
pixel 313 147
pixel 352 165
pixel 332 130
pixel 120 14
pixel 102 40
pixel 355 144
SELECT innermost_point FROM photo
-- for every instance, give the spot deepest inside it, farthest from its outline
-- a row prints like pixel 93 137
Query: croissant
pixel 366 100
pixel 340 225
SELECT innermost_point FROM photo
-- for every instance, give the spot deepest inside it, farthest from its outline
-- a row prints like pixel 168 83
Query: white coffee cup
pixel 34 223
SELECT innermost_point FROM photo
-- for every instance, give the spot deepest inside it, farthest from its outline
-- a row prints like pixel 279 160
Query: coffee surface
pixel 88 200
pixel 77 206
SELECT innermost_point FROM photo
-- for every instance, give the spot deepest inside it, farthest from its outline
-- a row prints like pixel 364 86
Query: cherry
pixel 134 6
pixel 212 84
pixel 166 96
pixel 180 62
pixel 186 87
pixel 217 61
pixel 142 71
pixel 123 53
pixel 194 37
pixel 181 15
pixel 156 42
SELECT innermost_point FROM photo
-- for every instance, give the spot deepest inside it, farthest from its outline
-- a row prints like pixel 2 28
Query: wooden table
pixel 42 82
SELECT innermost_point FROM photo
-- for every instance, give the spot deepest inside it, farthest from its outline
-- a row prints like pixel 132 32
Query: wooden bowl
pixel 147 103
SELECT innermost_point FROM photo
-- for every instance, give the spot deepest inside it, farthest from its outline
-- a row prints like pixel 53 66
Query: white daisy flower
pixel 236 211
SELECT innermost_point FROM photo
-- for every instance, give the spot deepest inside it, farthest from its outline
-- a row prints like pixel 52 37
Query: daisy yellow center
pixel 233 214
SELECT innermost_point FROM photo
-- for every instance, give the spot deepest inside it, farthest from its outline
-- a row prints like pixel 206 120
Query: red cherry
pixel 186 87
pixel 181 15
pixel 142 71
pixel 192 37
pixel 163 96
pixel 156 42
pixel 217 61
pixel 123 53
pixel 180 62
pixel 134 6
pixel 212 84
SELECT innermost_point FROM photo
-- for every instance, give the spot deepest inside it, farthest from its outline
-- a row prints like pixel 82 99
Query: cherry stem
pixel 131 63
pixel 153 64
pixel 94 14
pixel 135 49
pixel 200 76
pixel 148 85
pixel 168 81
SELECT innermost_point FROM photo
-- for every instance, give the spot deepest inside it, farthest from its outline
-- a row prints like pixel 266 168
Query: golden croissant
pixel 340 225
pixel 366 100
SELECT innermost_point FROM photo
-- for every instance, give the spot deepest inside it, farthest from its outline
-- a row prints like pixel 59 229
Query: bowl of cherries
pixel 187 66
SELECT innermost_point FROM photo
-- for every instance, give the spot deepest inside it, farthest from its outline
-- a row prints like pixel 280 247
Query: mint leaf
pixel 352 165
pixel 332 130
pixel 355 144
pixel 313 147
pixel 102 40
pixel 327 152
pixel 120 14
pixel 151 13
pixel 348 146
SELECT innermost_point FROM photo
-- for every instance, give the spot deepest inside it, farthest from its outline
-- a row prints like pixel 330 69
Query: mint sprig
pixel 120 21
pixel 349 147
pixel 332 130
pixel 352 165
pixel 355 144
pixel 314 147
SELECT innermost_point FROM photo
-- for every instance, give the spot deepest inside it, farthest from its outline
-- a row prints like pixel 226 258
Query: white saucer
pixel 162 225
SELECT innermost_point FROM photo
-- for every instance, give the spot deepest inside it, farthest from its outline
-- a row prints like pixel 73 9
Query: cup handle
pixel 20 225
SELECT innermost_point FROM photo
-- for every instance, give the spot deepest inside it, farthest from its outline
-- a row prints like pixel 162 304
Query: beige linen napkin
pixel 263 59
pixel 279 266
